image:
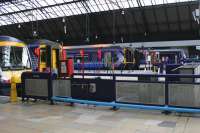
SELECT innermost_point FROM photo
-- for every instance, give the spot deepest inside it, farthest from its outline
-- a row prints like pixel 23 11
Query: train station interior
pixel 99 66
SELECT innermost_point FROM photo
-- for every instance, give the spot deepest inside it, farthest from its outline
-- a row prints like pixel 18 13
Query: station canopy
pixel 18 11
pixel 162 14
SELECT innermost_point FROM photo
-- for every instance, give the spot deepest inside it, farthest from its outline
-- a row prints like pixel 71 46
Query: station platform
pixel 43 118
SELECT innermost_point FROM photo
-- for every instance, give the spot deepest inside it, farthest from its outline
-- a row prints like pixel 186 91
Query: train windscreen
pixel 12 57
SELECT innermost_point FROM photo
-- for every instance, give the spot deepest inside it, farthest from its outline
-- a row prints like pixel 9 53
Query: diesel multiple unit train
pixel 16 57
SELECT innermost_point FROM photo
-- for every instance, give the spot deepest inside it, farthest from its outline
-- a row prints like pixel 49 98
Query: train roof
pixel 168 50
pixel 36 43
pixel 91 46
pixel 10 39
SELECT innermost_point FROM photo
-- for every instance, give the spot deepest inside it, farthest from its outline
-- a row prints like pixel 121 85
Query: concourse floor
pixel 41 117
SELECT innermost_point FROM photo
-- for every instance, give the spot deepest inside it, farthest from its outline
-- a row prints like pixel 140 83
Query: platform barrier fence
pixel 142 91
pixel 154 90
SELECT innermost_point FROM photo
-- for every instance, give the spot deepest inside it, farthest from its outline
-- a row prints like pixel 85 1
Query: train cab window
pixel 43 54
pixel 4 57
pixel 12 57
pixel 16 56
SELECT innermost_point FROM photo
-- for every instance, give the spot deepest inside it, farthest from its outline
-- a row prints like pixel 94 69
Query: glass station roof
pixel 20 11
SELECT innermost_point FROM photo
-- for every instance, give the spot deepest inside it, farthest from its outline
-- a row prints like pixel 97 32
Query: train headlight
pixel 4 79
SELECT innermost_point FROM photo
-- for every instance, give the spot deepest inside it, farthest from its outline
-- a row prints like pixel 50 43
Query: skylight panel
pixel 134 2
pixel 89 7
pixel 7 8
pixel 79 5
pixel 93 4
pixel 94 8
pixel 72 5
pixel 146 2
pixel 69 13
pixel 77 11
pixel 3 22
pixel 99 6
pixel 110 6
pixel 63 7
pixel 50 13
pixel 40 17
pixel 52 2
pixel 82 9
pixel 8 19
pixel 42 14
pixel 59 12
pixel 34 4
pixel 22 6
pixel 105 7
pixel 14 8
pixel 158 2
pixel 67 0
pixel 124 3
pixel 131 3
pixel 16 19
pixel 63 10
pixel 43 3
pixel 24 17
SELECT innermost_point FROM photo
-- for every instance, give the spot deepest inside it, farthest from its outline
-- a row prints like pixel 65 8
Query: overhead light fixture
pixel 122 12
pixel 96 37
pixel 122 39
pixel 196 15
pixel 87 39
pixel 19 26
pixel 65 29
pixel 35 33
pixel 63 20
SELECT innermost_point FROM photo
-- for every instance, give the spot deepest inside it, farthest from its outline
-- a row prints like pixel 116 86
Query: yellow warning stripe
pixel 8 43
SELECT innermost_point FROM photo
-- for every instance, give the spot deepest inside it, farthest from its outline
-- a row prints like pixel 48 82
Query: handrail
pixel 140 75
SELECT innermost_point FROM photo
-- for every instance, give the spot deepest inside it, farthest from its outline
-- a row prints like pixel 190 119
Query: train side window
pixel 94 57
pixel 78 59
pixel 115 58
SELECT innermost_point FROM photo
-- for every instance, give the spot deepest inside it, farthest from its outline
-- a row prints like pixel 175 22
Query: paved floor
pixel 44 118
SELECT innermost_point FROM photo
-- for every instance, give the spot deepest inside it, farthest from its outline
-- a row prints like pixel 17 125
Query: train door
pixel 48 59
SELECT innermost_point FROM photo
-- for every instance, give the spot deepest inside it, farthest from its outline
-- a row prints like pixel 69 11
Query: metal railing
pixel 175 92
